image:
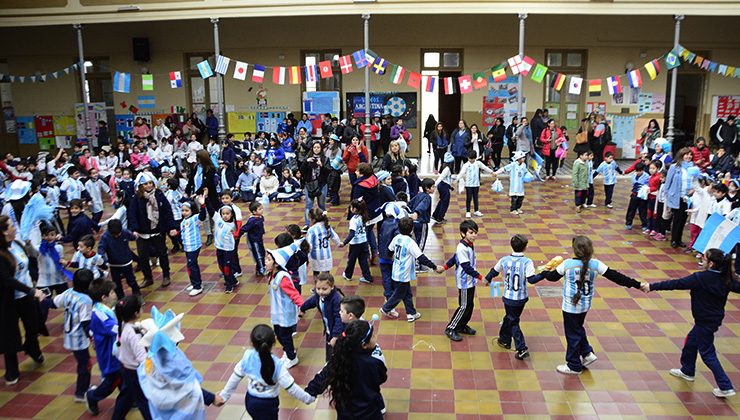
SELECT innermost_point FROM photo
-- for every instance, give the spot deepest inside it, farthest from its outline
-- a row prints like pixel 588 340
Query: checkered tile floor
pixel 637 337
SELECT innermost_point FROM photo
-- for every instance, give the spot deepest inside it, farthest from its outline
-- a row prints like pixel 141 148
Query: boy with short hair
pixel 466 277
pixel 72 188
pixel 637 204
pixel 608 168
pixel 470 179
pixel 79 223
pixel 114 247
pixel 87 258
pixel 95 187
pixel 255 231
pixel 421 206
pixel 517 270
pixel 405 253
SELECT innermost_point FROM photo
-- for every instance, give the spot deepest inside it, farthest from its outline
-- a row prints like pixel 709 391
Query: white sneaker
pixel 589 359
pixel 514 212
pixel 723 393
pixel 609 206
pixel 290 363
pixel 479 214
pixel 393 313
pixel 520 211
pixel 195 292
pixel 564 369
pixel 189 288
pixel 592 205
pixel 414 317
pixel 467 215
pixel 239 274
pixel 678 373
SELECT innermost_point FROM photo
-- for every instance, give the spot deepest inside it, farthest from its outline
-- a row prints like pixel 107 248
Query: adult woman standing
pixel 385 133
pixel 16 301
pixel 496 137
pixel 459 137
pixel 150 219
pixel 353 155
pixel 524 139
pixel 511 136
pixel 429 128
pixel 478 144
pixel 582 138
pixel 551 138
pixel 678 185
pixel 649 135
pixel 315 171
pixel 203 178
pixel 400 134
pixel 141 129
pixel 439 143
pixel 537 125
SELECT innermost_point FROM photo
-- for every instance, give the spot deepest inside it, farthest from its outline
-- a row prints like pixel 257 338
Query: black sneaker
pixel 92 407
pixel 39 359
pixel 522 354
pixel 453 335
pixel 502 344
pixel 467 330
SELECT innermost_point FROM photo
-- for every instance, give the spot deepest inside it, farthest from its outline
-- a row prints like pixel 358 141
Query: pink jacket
pixel 142 131
pixel 139 159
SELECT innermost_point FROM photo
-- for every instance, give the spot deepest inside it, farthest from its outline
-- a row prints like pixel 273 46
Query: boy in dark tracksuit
pixel 254 228
pixel 328 308
pixel 114 247
pixel 421 206
pixel 388 230
pixel 709 292
pixel 79 224
pixel 637 204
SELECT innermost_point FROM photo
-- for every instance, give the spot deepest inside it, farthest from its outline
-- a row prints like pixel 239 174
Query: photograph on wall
pixel 502 96
pixel 401 105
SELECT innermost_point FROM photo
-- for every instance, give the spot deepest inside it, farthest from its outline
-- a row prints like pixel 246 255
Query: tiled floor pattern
pixel 637 337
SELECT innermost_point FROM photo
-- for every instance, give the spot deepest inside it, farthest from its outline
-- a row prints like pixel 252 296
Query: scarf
pixel 152 209
pixel 198 180
pixel 49 249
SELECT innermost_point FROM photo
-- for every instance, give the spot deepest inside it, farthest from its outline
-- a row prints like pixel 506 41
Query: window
pixel 202 93
pixel 98 87
pixel 314 57
pixel 564 108
pixel 447 59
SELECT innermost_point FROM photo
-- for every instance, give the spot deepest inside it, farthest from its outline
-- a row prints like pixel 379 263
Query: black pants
pixel 496 150
pixel 401 292
pixel 516 202
pixel 466 303
pixel 257 248
pixel 11 365
pixel 679 221
pixel 126 272
pixel 590 194
pixel 285 338
pixel 83 371
pixel 96 219
pixel 580 197
pixel 262 408
pixel 471 193
pixel 636 205
pixel 226 265
pixel 133 395
pixel 156 248
pixel 191 261
pixel 107 386
pixel 444 201
pixel 608 192
pixel 439 155
pixel 57 222
pixel 359 253
pixel 701 340
pixel 551 162
pixel 177 239
pixel 661 224
pixel 510 327
pixel 458 164
pixel 28 311
pixel 577 343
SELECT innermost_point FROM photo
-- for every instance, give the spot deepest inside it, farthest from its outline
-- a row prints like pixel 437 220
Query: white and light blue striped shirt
pixel 686 180
pixel 356 224
pixel 190 233
pixel 590 165
pixel 49 275
pixel 283 311
pixel 405 252
pixel 609 172
pixel 94 188
pixel 77 309
pixel 319 238
pixel 516 177
pixel 174 198
pixel 515 269
pixel 52 196
pixel 464 253
pixel 21 268
pixel 471 172
pixel 223 234
pixel 73 188
pixel 571 271
pixel 91 263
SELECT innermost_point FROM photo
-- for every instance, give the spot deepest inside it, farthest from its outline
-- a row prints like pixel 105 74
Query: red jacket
pixel 352 158
pixel 547 142
pixel 701 157
pixel 374 132
pixel 654 184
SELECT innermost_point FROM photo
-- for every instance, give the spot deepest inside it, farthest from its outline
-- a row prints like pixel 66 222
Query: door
pixel 449 105
pixel 688 102
pixel 565 109
pixel 99 88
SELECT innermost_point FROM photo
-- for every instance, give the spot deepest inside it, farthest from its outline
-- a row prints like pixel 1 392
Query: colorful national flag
pixel 258 73
pixel 539 73
pixel 516 64
pixel 146 102
pixel 295 75
pixel 594 87
pixel 479 80
pixel 671 61
pixel 414 80
pixel 718 232
pixel 722 69
pixel 370 56
pixel 147 82
pixel 204 67
pixel 175 79
pixel 574 87
pixel 498 73
pixel 653 69
pixel 311 73
pixel 705 64
pixel 345 64
pixel 397 74
pixel 431 84
pixel 614 85
pixel 699 60
pixel 536 164
pixel 558 81
pixel 379 66
pixel 635 78
pixel 449 84
pixel 360 60
pixel 122 82
pixel 527 64
pixel 466 83
pixel 325 69
pixel 240 71
pixel 278 75
pixel 222 64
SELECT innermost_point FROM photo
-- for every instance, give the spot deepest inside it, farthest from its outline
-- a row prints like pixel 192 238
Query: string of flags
pixel 10 78
pixel 701 62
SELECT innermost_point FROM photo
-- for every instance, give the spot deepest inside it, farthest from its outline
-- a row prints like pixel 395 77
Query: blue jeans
pixel 372 239
pixel 321 200
pixel 577 343
pixel 701 340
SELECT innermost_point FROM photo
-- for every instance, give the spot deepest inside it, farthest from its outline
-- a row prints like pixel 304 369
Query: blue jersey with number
pixel 356 224
pixel 319 237
pixel 515 269
pixel 571 271
pixel 405 252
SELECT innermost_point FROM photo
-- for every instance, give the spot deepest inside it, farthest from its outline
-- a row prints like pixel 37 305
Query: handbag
pixel 582 137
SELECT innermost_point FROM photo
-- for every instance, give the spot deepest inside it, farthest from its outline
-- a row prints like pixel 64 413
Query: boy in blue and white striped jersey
pixel 517 271
pixel 95 187
pixel 224 240
pixel 192 242
pixel 53 195
pixel 517 169
pixel 470 178
pixel 466 277
pixel 77 307
pixel 71 188
pixel 87 258
pixel 608 168
pixel 174 196
pixel 52 276
pixel 319 236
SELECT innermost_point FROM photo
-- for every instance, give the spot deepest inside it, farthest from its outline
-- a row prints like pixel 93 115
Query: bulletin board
pixel 724 106
pixel 241 122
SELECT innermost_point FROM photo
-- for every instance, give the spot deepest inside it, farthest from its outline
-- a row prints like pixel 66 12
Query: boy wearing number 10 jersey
pixel 517 271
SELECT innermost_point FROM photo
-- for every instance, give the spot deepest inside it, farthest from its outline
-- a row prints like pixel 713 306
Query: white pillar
pixel 221 114
pixel 83 82
pixel 522 18
pixel 366 24
pixel 674 77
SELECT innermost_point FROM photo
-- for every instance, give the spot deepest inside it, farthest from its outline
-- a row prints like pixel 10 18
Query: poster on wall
pixel 492 110
pixel 47 143
pixel 95 112
pixel 44 126
pixel 623 130
pixel 658 105
pixel 724 106
pixel 316 103
pixel 506 93
pixel 241 122
pixel 596 108
pixel 396 104
pixel 64 125
pixel 6 96
pixel 644 102
pixel 125 126
pixel 26 130
pixel 268 121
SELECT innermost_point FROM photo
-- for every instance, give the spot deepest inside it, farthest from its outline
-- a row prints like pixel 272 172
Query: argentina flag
pixel 718 232
pixel 205 69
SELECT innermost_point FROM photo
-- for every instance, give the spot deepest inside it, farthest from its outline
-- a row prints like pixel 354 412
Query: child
pixel 71 188
pixel 77 309
pixel 127 183
pixel 52 274
pixel 709 291
pixel 246 184
pixel 52 199
pixel 466 278
pixel 289 189
pixel 608 169
pixel 405 252
pixel 94 187
pixel 421 206
pixel 637 204
pixel 654 186
pixel 284 301
pixel 224 229
pixel 590 173
pixel 131 353
pixel 297 265
pixel 318 236
pixel 387 231
pixel 580 180
pixel 470 172
pixel 517 170
pixel 269 185
pixel 357 240
pixel 226 198
pixel 662 221
pixel 578 290
pixel 192 242
pixel 443 184
pixel 721 204
pixel 103 328
pixel 87 258
pixel 326 299
pixel 114 247
pixel 266 374
pixel 174 197
pixel 255 230
pixel 516 270
pixel 258 168
pixel 353 374
pixel 398 182
pixel 78 225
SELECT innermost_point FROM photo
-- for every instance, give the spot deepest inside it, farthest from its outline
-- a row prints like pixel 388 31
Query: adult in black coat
pixel 203 177
pixel 150 218
pixel 315 171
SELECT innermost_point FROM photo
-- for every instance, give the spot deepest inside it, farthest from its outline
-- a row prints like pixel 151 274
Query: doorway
pixel 689 91
pixel 450 106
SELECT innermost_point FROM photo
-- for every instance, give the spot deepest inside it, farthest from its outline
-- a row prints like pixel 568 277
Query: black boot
pixel 209 240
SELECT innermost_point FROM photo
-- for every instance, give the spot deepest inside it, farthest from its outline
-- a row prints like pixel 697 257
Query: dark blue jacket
pixel 254 228
pixel 78 227
pixel 421 204
pixel 212 126
pixel 278 156
pixel 128 186
pixel 228 155
pixel 294 264
pixel 708 294
pixel 116 250
pixel 331 308
pixel 104 338
pixel 388 231
pixel 138 221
